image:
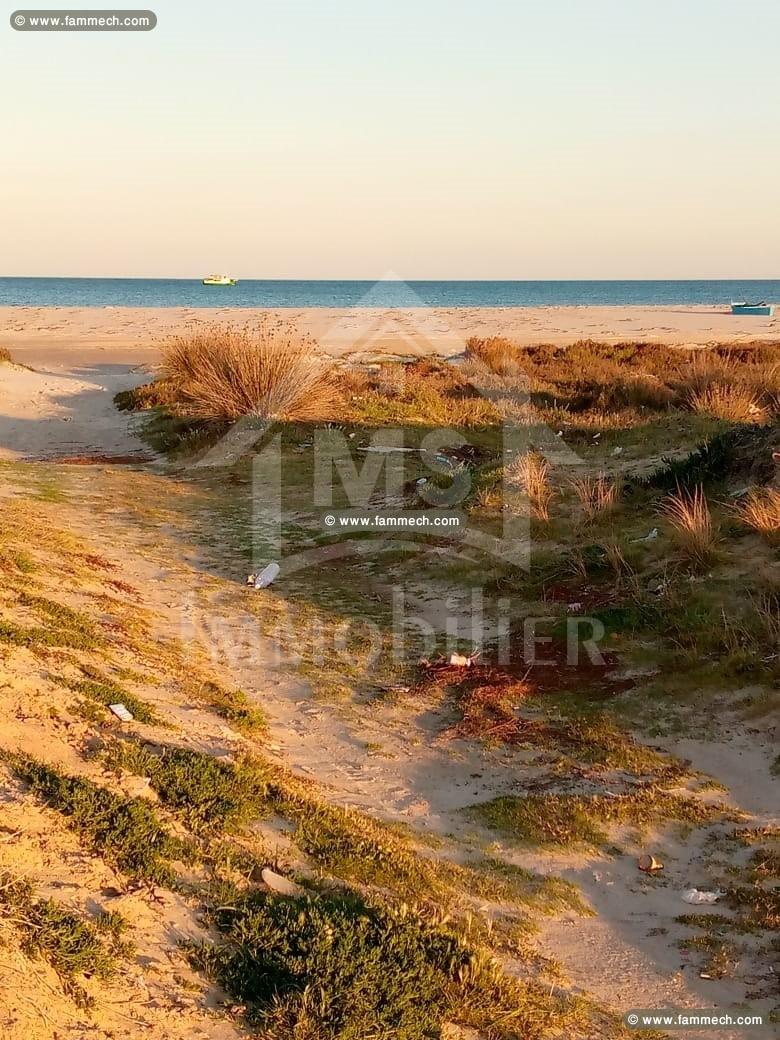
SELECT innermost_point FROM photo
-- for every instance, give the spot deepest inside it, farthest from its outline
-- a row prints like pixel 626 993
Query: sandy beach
pixel 43 335
pixel 83 355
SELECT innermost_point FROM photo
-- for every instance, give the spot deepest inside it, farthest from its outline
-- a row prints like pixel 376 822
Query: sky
pixel 344 139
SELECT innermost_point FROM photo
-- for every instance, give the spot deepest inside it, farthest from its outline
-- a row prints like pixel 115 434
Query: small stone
pixel 278 883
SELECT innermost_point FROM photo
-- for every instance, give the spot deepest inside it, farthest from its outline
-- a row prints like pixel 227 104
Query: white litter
pixel 121 712
pixel 573 606
pixel 617 451
pixel 278 883
pixel 459 661
pixel 697 897
pixel 265 577
pixel 651 537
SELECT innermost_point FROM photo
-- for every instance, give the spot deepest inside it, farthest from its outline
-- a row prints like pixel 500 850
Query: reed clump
pixel 729 386
pixel 268 370
pixel 597 495
pixel 760 510
pixel 532 473
pixel 693 529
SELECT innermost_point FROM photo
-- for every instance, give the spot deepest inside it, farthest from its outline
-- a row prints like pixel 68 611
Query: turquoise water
pixel 174 292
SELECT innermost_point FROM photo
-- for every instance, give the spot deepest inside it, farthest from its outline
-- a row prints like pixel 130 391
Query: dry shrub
pixel 735 403
pixel 639 391
pixel 704 369
pixel 756 366
pixel 488 714
pixel 497 353
pixel 5 356
pixel 391 380
pixel 731 385
pixel 489 497
pixel 268 370
pixel 761 510
pixel 632 356
pixel 597 495
pixel 593 379
pixel 440 409
pixel 532 472
pixel 688 514
pixel 428 392
pixel 764 380
pixel 589 379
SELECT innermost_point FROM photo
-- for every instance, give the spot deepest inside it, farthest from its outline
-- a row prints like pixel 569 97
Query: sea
pixel 183 292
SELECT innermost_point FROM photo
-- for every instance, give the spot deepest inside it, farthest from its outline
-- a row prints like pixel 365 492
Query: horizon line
pixel 373 281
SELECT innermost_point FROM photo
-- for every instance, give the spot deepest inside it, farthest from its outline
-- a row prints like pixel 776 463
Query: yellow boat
pixel 219 279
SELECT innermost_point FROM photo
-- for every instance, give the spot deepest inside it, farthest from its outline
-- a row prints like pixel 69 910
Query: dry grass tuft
pixel 616 558
pixel 597 495
pixel 705 369
pixel 688 514
pixel 767 612
pixel 761 510
pixel 5 356
pixel 532 472
pixel 737 387
pixel 497 353
pixel 268 370
pixel 734 403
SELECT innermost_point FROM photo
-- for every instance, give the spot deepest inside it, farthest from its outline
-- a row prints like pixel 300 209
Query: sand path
pixel 626 955
pixel 415 778
pixel 64 410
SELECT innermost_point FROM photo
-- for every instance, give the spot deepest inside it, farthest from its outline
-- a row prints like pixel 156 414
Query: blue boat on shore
pixel 765 309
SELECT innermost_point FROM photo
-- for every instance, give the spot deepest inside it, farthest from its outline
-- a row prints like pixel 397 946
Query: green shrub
pixel 106 693
pixel 126 832
pixel 335 969
pixel 566 819
pixel 72 947
pixel 36 636
pixel 208 794
pixel 233 706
